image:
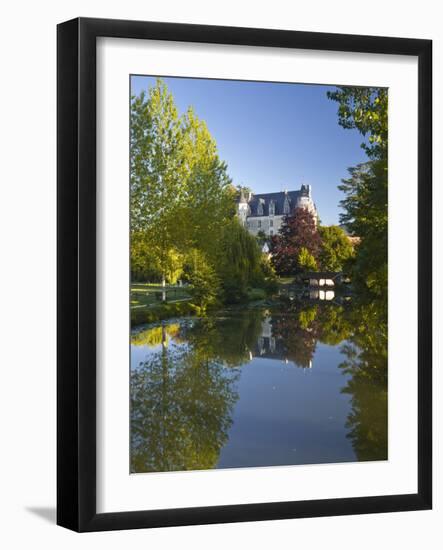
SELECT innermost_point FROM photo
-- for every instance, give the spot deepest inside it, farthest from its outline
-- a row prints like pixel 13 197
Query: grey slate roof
pixel 279 200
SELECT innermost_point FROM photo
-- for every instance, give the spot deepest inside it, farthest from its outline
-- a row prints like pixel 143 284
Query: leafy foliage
pixel 306 261
pixel 366 190
pixel 365 109
pixel 202 278
pixel 366 215
pixel 261 238
pixel 336 248
pixel 298 231
pixel 239 262
pixel 180 191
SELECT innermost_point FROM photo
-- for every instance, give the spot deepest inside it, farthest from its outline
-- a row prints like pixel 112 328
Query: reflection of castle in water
pixel 270 347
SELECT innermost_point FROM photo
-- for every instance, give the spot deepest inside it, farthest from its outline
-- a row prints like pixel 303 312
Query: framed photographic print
pixel 244 274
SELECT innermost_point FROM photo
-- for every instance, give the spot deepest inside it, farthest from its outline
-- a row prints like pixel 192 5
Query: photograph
pixel 258 273
pixel 228 220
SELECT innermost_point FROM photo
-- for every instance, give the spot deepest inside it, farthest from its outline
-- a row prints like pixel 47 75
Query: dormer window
pixel 271 208
pixel 286 206
pixel 260 208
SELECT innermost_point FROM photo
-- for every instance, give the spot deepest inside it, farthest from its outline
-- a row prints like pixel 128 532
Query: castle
pixel 265 212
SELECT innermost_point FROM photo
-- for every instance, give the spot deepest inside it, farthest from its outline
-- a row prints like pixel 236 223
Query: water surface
pixel 295 383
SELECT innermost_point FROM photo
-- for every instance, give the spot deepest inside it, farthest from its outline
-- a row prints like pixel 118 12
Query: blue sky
pixel 273 136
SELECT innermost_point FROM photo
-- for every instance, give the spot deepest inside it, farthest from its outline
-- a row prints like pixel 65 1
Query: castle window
pixel 271 223
pixel 259 223
pixel 271 208
pixel 260 208
pixel 271 232
pixel 286 206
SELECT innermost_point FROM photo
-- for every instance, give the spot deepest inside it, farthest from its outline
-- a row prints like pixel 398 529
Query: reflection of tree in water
pixel 228 339
pixel 183 394
pixel 297 330
pixel 155 336
pixel 367 363
pixel 362 327
pixel 300 325
pixel 181 403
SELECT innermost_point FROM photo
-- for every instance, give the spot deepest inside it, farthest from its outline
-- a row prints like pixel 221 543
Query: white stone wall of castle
pixel 306 202
pixel 270 225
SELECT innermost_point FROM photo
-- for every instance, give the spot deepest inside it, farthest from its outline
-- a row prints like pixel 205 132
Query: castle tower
pixel 304 200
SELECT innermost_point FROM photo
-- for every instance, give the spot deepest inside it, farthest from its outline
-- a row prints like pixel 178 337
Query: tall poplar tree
pixel 209 201
pixel 158 183
pixel 181 194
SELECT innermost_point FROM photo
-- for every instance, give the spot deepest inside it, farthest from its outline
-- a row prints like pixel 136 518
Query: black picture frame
pixel 76 266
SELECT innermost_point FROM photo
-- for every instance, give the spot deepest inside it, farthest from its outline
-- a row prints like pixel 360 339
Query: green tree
pixel 209 200
pixel 261 238
pixel 366 215
pixel 157 172
pixel 306 260
pixel 145 265
pixel 365 109
pixel 239 262
pixel 336 248
pixel 181 194
pixel 202 278
pixel 366 201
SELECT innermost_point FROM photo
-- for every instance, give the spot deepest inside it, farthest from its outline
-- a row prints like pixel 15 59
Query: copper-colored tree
pixel 298 231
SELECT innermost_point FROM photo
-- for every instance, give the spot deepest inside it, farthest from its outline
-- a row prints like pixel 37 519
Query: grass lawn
pixel 150 294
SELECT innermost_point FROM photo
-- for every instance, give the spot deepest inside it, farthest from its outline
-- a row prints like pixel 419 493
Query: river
pixel 293 382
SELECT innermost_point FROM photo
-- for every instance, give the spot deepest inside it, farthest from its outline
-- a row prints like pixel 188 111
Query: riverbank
pixel 145 315
pixel 148 312
pixel 162 312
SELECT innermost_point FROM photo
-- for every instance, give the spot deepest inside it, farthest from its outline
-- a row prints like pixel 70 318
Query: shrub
pixel 202 278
